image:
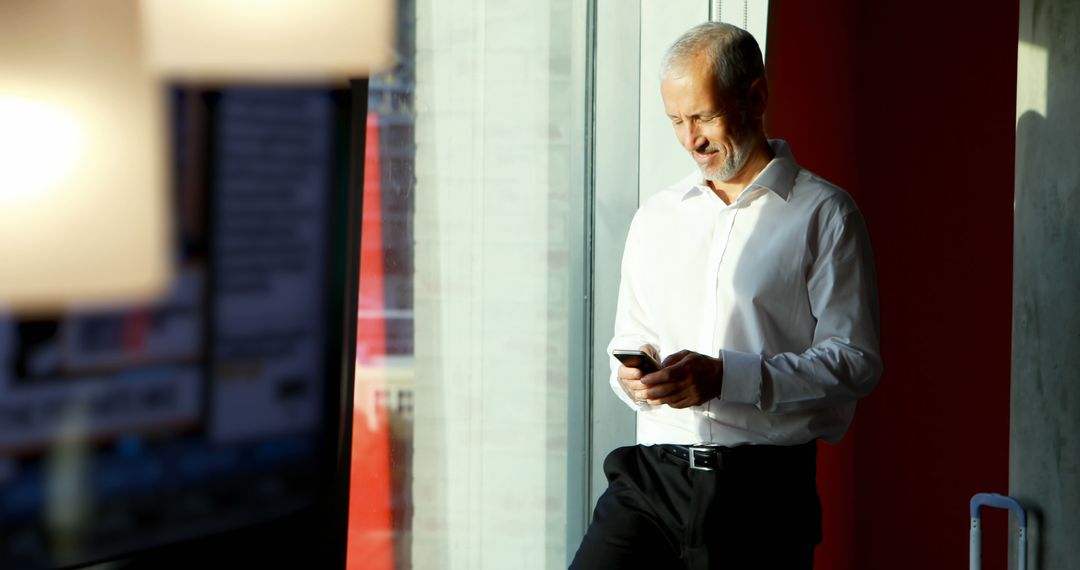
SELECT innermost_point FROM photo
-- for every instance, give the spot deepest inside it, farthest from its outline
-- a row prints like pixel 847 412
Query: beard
pixel 731 162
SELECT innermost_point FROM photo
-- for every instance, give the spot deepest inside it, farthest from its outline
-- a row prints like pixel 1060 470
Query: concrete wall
pixel 491 270
pixel 1044 463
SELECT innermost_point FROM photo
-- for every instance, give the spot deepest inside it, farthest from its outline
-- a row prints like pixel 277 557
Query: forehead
pixel 691 89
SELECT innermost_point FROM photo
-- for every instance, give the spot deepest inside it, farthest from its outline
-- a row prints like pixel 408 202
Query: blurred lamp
pixel 82 211
pixel 271 40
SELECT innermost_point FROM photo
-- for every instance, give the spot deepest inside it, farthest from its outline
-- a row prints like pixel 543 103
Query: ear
pixel 758 97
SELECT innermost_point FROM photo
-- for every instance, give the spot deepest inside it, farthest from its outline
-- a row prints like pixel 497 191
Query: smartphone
pixel 637 359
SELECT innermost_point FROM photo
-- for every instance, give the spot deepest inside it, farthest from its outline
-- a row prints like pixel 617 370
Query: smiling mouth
pixel 705 155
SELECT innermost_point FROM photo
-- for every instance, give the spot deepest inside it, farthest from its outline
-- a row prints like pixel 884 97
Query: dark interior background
pixel 911 108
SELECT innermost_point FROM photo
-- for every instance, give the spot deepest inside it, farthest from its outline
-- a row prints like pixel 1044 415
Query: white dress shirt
pixel 780 284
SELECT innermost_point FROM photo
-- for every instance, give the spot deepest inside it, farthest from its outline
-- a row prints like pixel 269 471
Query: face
pixel 707 122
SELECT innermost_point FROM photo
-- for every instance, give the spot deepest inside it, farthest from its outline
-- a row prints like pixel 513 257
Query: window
pixel 460 454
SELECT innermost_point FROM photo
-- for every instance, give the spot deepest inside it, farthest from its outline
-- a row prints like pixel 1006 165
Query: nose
pixel 689 135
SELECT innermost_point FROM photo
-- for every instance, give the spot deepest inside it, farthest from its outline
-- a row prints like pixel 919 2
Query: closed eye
pixel 697 118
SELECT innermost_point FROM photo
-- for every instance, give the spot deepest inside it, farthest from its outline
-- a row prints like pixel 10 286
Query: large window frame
pixel 619 122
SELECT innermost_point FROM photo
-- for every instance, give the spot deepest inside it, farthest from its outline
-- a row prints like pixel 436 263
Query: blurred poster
pixel 268 261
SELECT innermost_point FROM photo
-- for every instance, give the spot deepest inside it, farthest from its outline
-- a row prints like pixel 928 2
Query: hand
pixel 685 379
pixel 630 378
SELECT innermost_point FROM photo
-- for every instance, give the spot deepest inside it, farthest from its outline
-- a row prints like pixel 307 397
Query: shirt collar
pixel 778 176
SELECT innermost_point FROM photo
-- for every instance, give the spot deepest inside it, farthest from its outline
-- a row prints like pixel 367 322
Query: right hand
pixel 630 378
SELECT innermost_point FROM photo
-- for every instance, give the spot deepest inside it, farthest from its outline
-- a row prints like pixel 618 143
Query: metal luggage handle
pixel 997 501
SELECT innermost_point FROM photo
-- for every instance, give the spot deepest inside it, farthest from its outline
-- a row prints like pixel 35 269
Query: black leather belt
pixel 714 458
pixel 705 458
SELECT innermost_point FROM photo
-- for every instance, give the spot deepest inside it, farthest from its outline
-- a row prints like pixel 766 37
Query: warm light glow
pixel 39 146
pixel 276 40
pixel 83 210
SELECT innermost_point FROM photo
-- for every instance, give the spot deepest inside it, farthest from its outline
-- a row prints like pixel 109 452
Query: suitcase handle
pixel 997 501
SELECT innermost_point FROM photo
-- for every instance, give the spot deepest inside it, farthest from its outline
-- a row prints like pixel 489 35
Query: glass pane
pixel 460 425
pixel 141 424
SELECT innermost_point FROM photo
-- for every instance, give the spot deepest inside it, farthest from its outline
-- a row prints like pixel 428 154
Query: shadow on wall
pixel 1045 447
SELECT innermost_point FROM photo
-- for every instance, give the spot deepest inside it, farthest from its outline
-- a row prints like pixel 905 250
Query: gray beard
pixel 732 164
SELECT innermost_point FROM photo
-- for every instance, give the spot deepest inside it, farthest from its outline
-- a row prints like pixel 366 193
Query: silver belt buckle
pixel 693 457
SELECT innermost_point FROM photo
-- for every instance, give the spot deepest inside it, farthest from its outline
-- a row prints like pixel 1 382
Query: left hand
pixel 685 379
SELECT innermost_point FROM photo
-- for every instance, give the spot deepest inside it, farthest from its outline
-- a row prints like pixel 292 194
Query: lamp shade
pixel 269 40
pixel 82 200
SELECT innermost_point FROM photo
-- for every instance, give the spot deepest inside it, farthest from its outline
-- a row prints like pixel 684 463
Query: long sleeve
pixel 778 282
pixel 843 364
pixel 631 331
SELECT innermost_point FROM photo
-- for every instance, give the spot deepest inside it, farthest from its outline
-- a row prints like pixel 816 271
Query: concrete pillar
pixel 493 115
pixel 1044 472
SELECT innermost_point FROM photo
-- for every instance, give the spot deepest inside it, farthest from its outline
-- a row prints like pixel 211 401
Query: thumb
pixel 650 349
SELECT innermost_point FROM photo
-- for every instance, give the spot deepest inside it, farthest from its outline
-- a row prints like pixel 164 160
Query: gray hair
pixel 731 52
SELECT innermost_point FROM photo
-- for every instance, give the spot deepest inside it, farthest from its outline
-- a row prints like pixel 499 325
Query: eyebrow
pixel 700 114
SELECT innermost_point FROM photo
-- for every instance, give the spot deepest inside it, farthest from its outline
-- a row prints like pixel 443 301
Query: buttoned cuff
pixel 742 377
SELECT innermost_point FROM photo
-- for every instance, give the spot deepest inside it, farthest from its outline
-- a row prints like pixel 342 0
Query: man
pixel 753 280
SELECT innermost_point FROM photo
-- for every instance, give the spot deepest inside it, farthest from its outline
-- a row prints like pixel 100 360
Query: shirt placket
pixel 725 222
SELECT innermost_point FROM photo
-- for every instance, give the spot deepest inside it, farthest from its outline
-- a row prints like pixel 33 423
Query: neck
pixel 729 190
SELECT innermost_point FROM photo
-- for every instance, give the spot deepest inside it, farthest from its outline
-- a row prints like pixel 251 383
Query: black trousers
pixel 760 511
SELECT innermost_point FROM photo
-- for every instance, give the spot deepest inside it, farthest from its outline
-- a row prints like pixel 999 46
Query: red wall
pixel 913 111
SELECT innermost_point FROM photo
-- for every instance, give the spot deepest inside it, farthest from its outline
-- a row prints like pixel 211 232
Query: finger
pixel 673 401
pixel 683 400
pixel 691 395
pixel 664 392
pixel 661 376
pixel 675 394
pixel 676 358
pixel 629 373
pixel 677 401
pixel 634 386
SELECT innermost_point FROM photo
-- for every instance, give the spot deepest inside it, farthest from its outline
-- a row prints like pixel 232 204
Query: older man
pixel 752 280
